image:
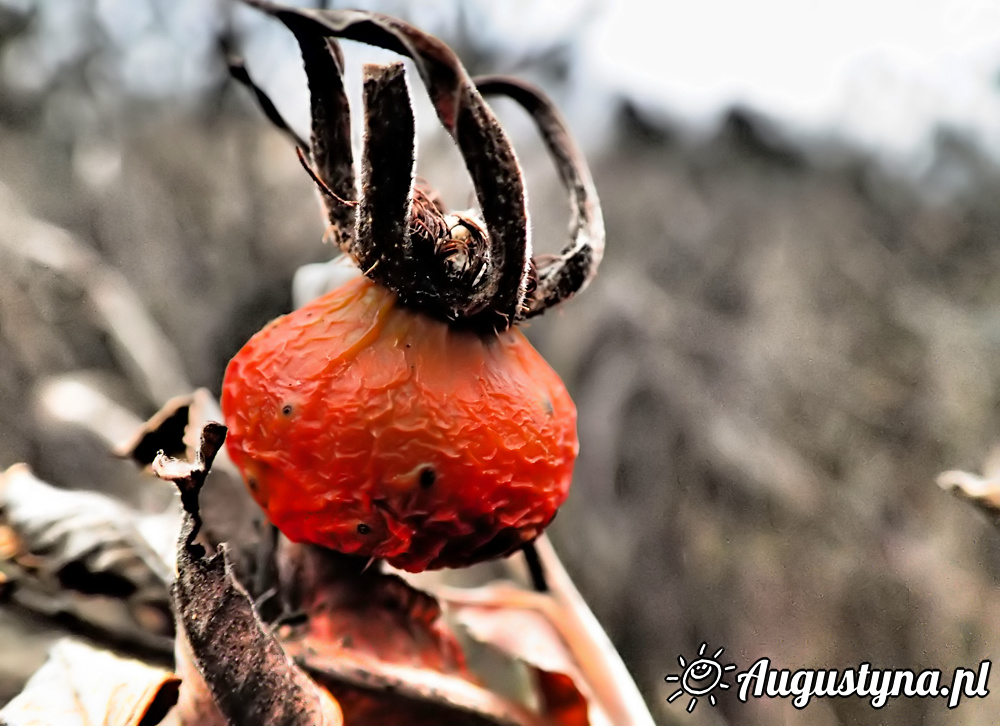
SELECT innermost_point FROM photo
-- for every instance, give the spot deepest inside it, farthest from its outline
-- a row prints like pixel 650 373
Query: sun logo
pixel 699 677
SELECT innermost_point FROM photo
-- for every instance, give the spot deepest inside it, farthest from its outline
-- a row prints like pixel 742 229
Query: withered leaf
pixel 556 633
pixel 373 693
pixel 85 540
pixel 380 646
pixel 84 686
pixel 228 512
pixel 249 676
pixel 514 621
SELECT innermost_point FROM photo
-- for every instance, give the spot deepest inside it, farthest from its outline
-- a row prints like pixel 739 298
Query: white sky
pixel 878 71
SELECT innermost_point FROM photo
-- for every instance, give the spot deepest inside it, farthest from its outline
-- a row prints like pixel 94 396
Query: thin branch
pixel 238 71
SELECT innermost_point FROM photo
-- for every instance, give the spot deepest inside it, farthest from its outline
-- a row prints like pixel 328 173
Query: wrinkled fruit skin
pixel 375 430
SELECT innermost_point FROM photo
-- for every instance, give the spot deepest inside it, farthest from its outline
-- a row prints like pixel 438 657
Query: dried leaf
pixel 249 676
pixel 82 685
pixel 229 513
pixel 377 693
pixel 556 633
pixel 86 541
pixel 515 621
pixel 195 704
pixel 380 646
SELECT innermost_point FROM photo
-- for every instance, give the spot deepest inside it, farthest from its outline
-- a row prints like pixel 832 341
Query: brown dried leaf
pixel 516 622
pixel 249 676
pixel 381 647
pixel 82 685
pixel 374 693
pixel 229 513
pixel 85 541
pixel 556 633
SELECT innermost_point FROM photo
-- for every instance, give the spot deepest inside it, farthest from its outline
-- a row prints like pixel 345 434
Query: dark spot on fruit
pixel 364 529
pixel 547 405
pixel 252 483
pixel 286 410
pixel 427 478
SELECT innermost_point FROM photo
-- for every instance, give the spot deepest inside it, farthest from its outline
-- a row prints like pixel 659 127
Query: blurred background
pixel 794 331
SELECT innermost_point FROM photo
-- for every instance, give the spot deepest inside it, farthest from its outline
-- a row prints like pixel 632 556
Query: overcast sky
pixel 879 71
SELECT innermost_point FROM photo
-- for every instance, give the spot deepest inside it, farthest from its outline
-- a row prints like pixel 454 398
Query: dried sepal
pixel 561 276
pixel 80 685
pixel 330 140
pixel 498 297
pixel 381 247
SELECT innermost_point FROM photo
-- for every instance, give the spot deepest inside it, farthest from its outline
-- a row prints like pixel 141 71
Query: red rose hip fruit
pixel 376 430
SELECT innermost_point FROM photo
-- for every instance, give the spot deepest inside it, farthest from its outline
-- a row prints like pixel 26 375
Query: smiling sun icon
pixel 700 677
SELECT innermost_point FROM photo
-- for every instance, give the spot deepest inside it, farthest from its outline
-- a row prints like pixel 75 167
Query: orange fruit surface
pixel 373 429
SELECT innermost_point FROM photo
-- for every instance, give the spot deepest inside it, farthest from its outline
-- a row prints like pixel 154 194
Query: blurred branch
pixel 144 351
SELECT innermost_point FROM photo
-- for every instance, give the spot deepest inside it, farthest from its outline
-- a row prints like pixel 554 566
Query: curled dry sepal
pixel 467 271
